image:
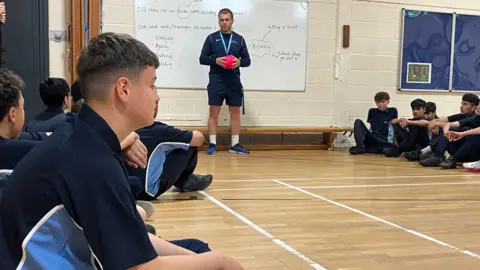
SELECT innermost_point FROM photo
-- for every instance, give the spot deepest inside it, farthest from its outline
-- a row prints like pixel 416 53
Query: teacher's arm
pixel 206 56
pixel 244 55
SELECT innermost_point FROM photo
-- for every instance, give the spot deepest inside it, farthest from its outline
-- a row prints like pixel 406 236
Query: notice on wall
pixel 419 72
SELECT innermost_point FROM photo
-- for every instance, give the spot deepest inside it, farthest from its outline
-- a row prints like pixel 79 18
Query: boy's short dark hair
pixel 381 96
pixel 471 98
pixel 430 107
pixel 53 91
pixel 76 91
pixel 226 11
pixel 11 86
pixel 109 56
pixel 418 103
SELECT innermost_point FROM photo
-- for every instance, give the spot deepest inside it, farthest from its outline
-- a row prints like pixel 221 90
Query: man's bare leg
pixel 235 128
pixel 213 113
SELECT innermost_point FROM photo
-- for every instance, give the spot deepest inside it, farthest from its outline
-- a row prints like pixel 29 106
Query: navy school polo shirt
pixel 214 48
pixel 70 195
pixel 471 122
pixel 47 121
pixel 381 122
pixel 459 116
pixel 12 151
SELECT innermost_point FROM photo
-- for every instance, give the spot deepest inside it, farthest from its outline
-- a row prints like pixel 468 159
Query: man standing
pixel 225 51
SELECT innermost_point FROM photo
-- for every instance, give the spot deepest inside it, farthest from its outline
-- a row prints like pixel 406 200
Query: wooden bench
pixel 327 143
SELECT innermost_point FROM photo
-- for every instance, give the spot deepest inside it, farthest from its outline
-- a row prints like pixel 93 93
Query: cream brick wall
pixel 375 49
pixel 368 66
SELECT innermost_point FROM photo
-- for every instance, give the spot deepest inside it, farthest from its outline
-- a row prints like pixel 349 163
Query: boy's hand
pixel 136 154
pixel 403 122
pixel 432 125
pixel 454 136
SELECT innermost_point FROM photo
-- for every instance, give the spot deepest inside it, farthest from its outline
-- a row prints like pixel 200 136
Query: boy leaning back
pixel 380 135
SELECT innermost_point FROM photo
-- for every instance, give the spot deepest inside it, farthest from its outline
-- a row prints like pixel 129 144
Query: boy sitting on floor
pixel 380 135
pixel 463 143
pixel 467 109
pixel 409 137
pixel 430 114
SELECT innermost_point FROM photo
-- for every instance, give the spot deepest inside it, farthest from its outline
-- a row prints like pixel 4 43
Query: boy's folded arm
pixel 395 121
pixel 421 123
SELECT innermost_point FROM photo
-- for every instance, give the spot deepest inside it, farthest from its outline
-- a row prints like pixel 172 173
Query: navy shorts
pixel 230 91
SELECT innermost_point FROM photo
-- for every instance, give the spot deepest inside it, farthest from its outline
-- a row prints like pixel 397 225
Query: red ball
pixel 228 62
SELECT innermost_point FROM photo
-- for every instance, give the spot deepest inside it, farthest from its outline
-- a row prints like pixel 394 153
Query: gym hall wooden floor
pixel 329 210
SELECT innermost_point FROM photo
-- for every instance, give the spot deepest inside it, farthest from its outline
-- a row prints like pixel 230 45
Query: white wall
pixel 57 11
pixel 368 66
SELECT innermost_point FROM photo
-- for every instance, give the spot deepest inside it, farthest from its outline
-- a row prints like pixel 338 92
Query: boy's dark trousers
pixel 373 143
pixel 412 139
pixel 178 167
pixel 466 149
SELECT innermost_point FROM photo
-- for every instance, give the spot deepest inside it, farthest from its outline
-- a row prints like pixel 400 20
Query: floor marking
pixel 347 186
pixel 469 253
pixel 277 241
pixel 347 178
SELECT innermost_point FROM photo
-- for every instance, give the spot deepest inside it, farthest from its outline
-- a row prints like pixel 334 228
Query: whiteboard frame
pixel 307 25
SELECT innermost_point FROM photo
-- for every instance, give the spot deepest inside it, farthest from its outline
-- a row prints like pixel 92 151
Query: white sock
pixel 426 150
pixel 213 139
pixel 235 139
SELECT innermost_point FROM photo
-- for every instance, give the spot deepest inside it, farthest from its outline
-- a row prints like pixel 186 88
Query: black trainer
pixel 432 161
pixel 449 163
pixel 356 150
pixel 392 152
pixel 196 182
pixel 413 155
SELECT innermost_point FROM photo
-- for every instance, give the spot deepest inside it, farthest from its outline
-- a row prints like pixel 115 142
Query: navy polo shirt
pixel 47 121
pixel 214 48
pixel 12 151
pixel 159 132
pixel 472 122
pixel 69 202
pixel 459 116
pixel 381 122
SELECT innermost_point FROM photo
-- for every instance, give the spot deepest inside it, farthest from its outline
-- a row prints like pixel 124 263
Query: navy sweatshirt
pixel 213 48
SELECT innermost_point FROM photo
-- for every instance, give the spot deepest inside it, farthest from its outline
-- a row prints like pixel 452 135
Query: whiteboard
pixel 275 31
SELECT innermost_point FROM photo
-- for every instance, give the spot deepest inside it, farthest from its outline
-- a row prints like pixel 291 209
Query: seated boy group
pixel 425 137
pixel 69 182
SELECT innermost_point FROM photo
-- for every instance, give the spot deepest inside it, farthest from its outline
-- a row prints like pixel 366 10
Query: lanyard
pixel 227 49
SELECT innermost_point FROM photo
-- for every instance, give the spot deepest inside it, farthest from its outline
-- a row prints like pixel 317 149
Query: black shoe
pixel 426 155
pixel 196 183
pixel 449 163
pixel 412 155
pixel 432 161
pixel 151 229
pixel 356 150
pixel 392 152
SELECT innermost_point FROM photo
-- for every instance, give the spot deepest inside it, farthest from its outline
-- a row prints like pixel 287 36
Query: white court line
pixel 277 241
pixel 347 186
pixel 382 220
pixel 347 178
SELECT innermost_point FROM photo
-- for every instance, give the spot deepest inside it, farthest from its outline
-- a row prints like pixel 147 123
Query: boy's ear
pixel 11 114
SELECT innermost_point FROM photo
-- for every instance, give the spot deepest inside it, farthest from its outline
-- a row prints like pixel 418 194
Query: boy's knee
pixel 357 125
pixel 194 245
